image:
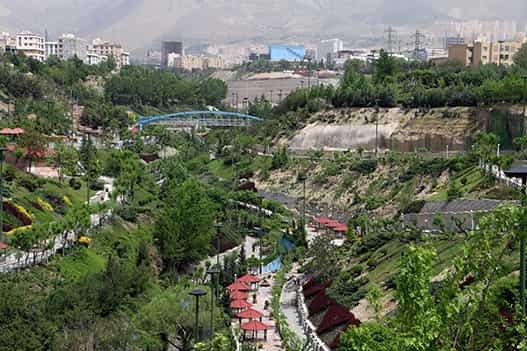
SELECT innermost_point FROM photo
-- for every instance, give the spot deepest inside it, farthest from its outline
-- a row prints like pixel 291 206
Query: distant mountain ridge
pixel 141 23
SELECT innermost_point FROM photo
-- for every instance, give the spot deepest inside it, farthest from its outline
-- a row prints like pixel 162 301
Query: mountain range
pixel 143 23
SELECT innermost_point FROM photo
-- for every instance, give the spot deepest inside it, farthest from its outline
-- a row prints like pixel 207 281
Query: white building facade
pixel 32 45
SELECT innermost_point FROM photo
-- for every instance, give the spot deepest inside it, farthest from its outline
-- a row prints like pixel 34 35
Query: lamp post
pixel 521 172
pixel 197 293
pixel 376 128
pixel 213 290
pixel 524 77
pixel 302 178
pixel 218 231
pixel 2 150
pixel 259 232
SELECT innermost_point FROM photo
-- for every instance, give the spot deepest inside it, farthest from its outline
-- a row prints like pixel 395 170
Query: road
pixel 17 260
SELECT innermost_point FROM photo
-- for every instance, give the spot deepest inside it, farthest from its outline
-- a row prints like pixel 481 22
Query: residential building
pixel 70 46
pixel 4 41
pixel 31 45
pixel 170 47
pixel 125 59
pixel 328 49
pixel 110 50
pixel 52 48
pixel 481 52
pixel 195 62
pixel 93 58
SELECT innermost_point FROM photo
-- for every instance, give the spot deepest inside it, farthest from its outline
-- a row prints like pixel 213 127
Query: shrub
pixel 364 166
pixel 27 181
pixel 127 213
pixel 75 183
pixel 414 207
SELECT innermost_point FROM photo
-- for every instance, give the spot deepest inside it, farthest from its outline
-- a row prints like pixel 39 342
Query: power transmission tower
pixel 390 39
pixel 418 45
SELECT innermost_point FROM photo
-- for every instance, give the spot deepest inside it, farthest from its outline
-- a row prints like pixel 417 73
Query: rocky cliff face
pixel 397 129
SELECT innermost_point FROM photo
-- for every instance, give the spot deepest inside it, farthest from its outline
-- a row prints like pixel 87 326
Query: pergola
pixel 254 326
pixel 250 314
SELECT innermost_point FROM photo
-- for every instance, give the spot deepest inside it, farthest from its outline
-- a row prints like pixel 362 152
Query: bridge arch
pixel 200 118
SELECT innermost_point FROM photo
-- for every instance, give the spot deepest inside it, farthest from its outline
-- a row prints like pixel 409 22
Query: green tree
pixel 185 226
pixel 64 159
pixel 385 67
pixel 131 174
pixel 520 58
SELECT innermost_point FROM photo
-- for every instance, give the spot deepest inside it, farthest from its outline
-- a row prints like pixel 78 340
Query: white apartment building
pixel 328 49
pixel 125 59
pixel 31 45
pixel 93 58
pixel 52 48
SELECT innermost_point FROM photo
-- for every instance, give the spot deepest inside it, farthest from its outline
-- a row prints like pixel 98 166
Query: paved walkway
pixel 288 304
pixel 274 342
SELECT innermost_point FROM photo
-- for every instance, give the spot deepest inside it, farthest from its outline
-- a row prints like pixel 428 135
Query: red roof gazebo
pixel 237 285
pixel 255 327
pixel 240 305
pixel 238 295
pixel 249 278
pixel 250 314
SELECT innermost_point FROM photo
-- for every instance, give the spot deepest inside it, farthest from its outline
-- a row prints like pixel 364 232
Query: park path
pixel 16 259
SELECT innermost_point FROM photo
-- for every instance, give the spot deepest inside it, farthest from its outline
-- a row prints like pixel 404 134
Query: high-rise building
pixel 31 45
pixel 170 47
pixel 328 49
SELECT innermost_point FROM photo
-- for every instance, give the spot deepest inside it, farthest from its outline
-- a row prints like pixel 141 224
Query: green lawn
pixel 474 179
pixel 81 264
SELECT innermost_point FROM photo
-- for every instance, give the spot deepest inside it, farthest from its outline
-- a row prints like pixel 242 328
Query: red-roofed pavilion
pixel 249 278
pixel 240 305
pixel 255 327
pixel 238 295
pixel 250 314
pixel 238 286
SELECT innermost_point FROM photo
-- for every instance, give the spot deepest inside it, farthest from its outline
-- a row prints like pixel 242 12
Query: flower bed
pixel 19 213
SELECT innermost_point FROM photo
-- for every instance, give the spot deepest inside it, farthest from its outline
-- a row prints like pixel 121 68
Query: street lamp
pixel 524 77
pixel 302 178
pixel 259 232
pixel 197 293
pixel 218 231
pixel 213 290
pixel 2 150
pixel 521 172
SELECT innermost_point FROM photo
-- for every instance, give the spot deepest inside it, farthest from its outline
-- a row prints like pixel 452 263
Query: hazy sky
pixel 138 23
